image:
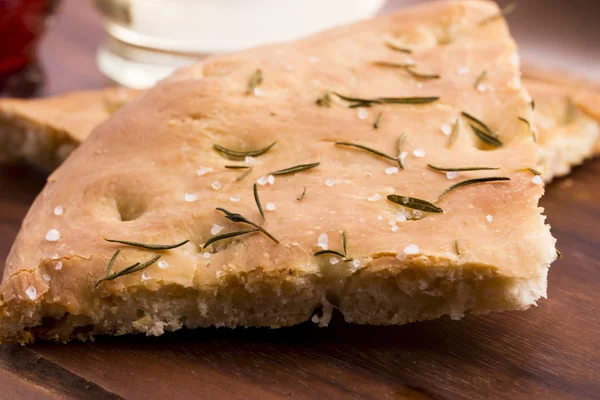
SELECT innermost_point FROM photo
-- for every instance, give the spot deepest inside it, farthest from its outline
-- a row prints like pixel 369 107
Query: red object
pixel 22 22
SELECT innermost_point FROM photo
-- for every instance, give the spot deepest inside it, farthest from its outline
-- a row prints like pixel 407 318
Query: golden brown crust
pixel 43 132
pixel 143 176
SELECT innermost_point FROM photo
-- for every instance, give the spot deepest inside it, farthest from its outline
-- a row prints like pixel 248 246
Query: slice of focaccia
pixel 43 132
pixel 253 188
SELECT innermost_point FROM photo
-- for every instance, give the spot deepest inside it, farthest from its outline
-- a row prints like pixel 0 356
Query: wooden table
pixel 549 352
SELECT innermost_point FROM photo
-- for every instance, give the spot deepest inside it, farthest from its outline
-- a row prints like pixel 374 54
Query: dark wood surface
pixel 549 352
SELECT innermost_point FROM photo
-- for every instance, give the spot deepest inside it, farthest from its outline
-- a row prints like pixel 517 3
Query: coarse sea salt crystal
pixel 235 198
pixel 481 87
pixel 190 197
pixel 271 179
pixel 262 180
pixel 58 266
pixel 362 113
pixel 54 256
pixel 216 185
pixel 391 170
pixel 419 153
pixel 47 277
pixel 400 218
pixel 163 264
pixel 489 218
pixel 330 182
pixel 145 276
pixel 216 228
pixel 395 228
pixel 446 129
pixel 452 174
pixel 411 249
pixel 270 206
pixel 356 263
pixel 323 241
pixel 537 180
pixel 203 171
pixel 333 260
pixel 380 217
pixel 31 292
pixel 52 235
pixel 374 197
pixel 462 70
pixel 258 92
pixel 206 254
pixel 250 160
pixel 58 210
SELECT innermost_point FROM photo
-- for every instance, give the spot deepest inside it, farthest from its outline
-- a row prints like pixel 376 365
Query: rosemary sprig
pixel 257 201
pixel 295 168
pixel 372 151
pixel 234 217
pixel 127 271
pixel 454 133
pixel 325 100
pixel 480 78
pixel 235 154
pixel 486 137
pixel 483 132
pixel 302 195
pixel 456 247
pixel 392 44
pixel 227 236
pixel 343 255
pixel 414 203
pixel 510 7
pixel 460 169
pixel 569 112
pixel 401 140
pixel 386 100
pixel 472 182
pixel 420 75
pixel 147 246
pixel 255 80
pixel 377 121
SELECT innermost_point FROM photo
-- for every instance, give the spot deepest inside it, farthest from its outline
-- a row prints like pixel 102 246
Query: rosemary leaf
pixel 559 253
pixel 377 121
pixel 245 174
pixel 345 242
pixel 454 133
pixel 234 154
pixel 526 122
pixel 343 255
pixel 401 140
pixel 325 100
pixel 333 252
pixel 129 270
pixel 112 261
pixel 227 236
pixel 532 104
pixel 472 182
pixel 478 122
pixel 356 105
pixel 148 246
pixel 533 171
pixel 456 247
pixel 460 169
pixel 255 80
pixel 569 112
pixel 387 100
pixel 510 7
pixel 237 166
pixel 486 137
pixel 414 203
pixel 420 75
pixel 257 200
pixel 295 168
pixel 302 195
pixel 480 78
pixel 392 64
pixel 392 44
pixel 365 148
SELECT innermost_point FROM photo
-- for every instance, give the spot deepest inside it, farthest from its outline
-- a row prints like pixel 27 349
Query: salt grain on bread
pixel 129 179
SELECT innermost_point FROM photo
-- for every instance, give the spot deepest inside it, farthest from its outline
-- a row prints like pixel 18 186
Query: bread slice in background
pixel 150 174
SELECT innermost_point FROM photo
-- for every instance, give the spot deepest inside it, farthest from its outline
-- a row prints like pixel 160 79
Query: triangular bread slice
pixel 156 172
pixel 43 132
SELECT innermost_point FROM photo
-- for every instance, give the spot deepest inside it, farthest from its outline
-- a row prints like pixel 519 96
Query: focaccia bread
pixel 159 172
pixel 44 132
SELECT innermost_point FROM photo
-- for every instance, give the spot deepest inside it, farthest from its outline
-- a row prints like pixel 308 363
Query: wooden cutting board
pixel 549 352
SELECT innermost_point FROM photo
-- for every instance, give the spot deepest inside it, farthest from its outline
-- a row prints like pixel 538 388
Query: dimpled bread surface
pixel 150 174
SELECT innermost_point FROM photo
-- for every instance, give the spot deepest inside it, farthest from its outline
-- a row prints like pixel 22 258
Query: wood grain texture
pixel 548 352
